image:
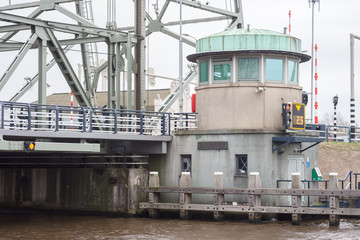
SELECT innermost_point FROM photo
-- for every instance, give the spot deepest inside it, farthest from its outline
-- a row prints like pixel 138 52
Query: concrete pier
pixel 108 190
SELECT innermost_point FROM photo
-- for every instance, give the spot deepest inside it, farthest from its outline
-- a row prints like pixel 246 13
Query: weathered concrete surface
pixel 98 190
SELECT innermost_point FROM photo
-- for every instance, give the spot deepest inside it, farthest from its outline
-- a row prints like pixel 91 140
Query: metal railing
pixel 38 117
pixel 332 133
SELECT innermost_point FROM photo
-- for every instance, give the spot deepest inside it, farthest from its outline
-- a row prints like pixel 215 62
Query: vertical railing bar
pixel 2 114
pixel 56 118
pixel 115 121
pixel 84 119
pixel 141 123
pixel 91 118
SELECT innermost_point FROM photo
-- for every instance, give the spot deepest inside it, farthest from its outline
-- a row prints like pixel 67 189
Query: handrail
pixel 56 118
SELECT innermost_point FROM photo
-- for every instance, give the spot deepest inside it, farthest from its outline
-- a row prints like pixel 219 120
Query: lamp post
pixel 335 101
pixel 180 67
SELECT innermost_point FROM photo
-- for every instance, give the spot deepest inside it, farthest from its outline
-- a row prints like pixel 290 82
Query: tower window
pixel 222 72
pixel 204 71
pixel 274 69
pixel 292 72
pixel 248 69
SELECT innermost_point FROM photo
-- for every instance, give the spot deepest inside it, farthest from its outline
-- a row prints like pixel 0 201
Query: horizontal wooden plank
pixel 248 209
pixel 260 191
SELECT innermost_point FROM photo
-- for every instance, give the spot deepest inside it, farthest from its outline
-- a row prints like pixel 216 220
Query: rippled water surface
pixel 43 226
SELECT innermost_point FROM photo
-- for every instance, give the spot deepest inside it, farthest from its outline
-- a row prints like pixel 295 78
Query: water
pixel 44 226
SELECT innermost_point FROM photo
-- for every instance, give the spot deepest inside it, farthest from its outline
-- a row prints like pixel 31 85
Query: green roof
pixel 242 39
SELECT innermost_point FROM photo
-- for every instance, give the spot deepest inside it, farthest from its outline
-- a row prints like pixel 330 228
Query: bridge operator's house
pixel 244 78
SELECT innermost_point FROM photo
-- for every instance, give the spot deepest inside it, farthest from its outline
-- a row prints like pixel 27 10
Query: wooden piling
pixel 254 200
pixel 154 181
pixel 185 198
pixel 218 198
pixel 295 199
pixel 334 220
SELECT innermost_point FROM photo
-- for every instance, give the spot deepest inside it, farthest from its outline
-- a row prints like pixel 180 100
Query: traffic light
pixel 286 114
pixel 29 146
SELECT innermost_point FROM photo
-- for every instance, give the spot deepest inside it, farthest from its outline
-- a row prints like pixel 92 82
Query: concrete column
pixel 296 200
pixel 185 198
pixel 334 220
pixel 137 177
pixel 218 198
pixel 254 200
pixel 154 181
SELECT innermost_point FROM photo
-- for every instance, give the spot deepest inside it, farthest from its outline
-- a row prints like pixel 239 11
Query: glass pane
pixel 274 69
pixel 292 72
pixel 248 68
pixel 204 71
pixel 242 164
pixel 222 72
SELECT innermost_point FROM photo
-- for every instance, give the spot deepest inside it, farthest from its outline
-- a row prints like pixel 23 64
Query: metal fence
pixel 37 117
pixel 332 133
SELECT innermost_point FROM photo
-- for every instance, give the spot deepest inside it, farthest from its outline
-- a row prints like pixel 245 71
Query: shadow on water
pixel 46 226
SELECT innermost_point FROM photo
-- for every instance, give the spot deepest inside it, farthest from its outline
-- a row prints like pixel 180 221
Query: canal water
pixel 44 226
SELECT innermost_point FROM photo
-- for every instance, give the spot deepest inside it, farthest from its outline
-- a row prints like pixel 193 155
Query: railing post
pixel 169 125
pixel 218 198
pixel 2 115
pixel 185 198
pixel 254 200
pixel 334 220
pixel 141 123
pixel 326 133
pixel 115 121
pixel 349 134
pixel 163 125
pixel 29 117
pixel 84 119
pixel 56 118
pixel 154 181
pixel 90 120
pixel 296 199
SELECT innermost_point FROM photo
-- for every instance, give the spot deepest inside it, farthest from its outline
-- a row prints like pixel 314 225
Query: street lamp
pixel 335 102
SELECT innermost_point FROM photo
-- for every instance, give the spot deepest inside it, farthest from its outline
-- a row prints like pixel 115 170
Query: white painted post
pixel 154 181
pixel 218 198
pixel 254 200
pixel 185 198
pixel 334 220
pixel 296 199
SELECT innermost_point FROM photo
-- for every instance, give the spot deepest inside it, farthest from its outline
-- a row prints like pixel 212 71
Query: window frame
pixel 237 173
pixel 297 75
pixel 238 68
pixel 182 157
pixel 284 77
pixel 222 61
pixel 208 72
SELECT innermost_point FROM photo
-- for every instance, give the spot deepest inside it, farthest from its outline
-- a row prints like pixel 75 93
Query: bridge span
pixel 67 132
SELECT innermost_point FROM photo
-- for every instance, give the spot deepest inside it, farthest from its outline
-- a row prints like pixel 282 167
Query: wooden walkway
pixel 254 193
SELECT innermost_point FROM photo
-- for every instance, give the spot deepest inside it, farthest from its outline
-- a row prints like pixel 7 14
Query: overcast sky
pixel 333 24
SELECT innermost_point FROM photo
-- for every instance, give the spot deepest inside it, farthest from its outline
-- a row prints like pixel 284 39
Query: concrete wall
pixel 239 106
pixel 258 147
pixel 100 190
